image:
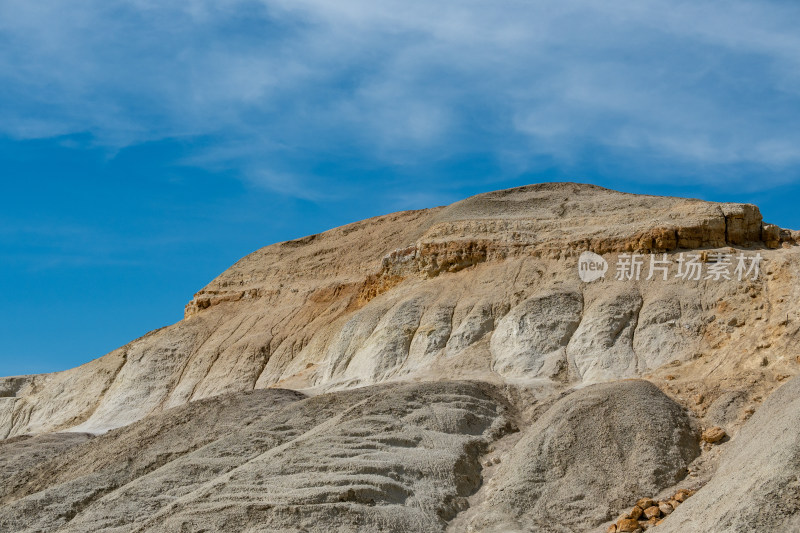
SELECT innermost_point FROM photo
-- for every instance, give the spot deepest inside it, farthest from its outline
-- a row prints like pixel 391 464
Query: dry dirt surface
pixel 757 485
pixel 397 457
pixel 442 370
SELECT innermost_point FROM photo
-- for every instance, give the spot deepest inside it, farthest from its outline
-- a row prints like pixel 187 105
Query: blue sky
pixel 146 145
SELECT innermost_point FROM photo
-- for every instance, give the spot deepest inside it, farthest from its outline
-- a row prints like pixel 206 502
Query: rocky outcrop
pixel 532 338
pixel 547 220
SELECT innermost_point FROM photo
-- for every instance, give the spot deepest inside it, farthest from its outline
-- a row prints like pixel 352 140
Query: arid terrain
pixel 444 370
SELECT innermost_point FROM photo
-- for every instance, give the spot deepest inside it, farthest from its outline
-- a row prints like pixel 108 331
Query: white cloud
pixel 699 83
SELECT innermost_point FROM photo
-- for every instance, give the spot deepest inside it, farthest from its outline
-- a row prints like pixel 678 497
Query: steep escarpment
pixel 548 220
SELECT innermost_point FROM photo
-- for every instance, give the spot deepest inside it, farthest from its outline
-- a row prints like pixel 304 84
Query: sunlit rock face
pixel 475 320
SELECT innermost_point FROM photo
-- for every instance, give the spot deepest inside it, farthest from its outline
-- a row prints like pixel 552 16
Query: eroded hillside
pixel 414 372
pixel 485 288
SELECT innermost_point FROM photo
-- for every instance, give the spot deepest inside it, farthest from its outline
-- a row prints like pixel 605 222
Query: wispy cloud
pixel 282 85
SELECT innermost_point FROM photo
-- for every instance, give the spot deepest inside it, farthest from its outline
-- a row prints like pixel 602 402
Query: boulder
pixel 627 525
pixel 652 512
pixel 714 435
pixel 644 503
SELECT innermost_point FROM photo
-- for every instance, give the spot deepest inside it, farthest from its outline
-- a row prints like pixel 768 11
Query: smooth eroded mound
pixel 585 457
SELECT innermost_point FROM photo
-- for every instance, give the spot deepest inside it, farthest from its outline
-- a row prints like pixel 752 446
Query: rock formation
pixel 443 369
